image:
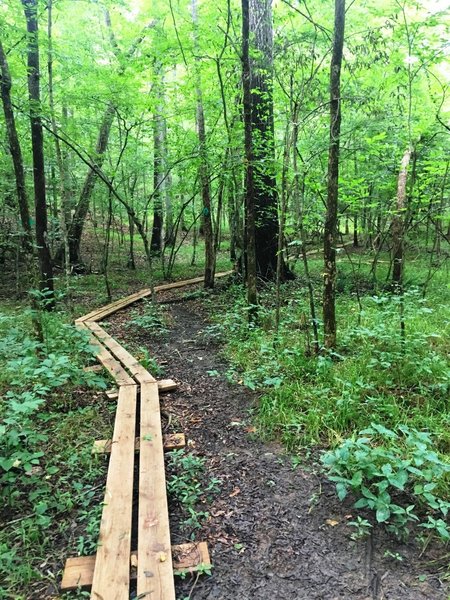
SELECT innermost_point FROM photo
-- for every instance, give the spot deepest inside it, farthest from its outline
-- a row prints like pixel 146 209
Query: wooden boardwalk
pixel 137 427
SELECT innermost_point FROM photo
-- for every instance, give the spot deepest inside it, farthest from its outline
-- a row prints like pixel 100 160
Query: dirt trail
pixel 274 532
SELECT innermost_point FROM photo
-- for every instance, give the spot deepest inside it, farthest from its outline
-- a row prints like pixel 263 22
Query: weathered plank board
pixel 127 359
pixel 109 309
pixel 112 570
pixel 107 360
pixel 79 571
pixel 164 385
pixel 154 576
pixel 114 306
pixel 171 441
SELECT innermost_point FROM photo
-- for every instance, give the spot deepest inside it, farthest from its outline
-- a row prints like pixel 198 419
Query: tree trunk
pixel 37 143
pixel 77 224
pixel 330 228
pixel 204 170
pixel 63 174
pixel 249 243
pixel 16 152
pixel 262 125
pixel 81 211
pixel 158 160
pixel 398 222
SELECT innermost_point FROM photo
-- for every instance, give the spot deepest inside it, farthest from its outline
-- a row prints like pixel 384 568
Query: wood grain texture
pixel 171 441
pixel 112 570
pixel 119 352
pixel 154 577
pixel 79 571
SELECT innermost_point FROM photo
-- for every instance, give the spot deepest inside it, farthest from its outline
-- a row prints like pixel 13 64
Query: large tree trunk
pixel 37 143
pixel 398 221
pixel 264 182
pixel 249 244
pixel 330 228
pixel 204 170
pixel 16 152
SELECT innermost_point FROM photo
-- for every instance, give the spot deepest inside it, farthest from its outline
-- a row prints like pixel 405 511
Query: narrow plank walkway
pixel 112 571
pixel 109 572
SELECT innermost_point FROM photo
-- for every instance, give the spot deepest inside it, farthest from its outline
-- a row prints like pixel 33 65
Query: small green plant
pixel 188 485
pixel 395 473
pixel 362 528
pixel 152 320
pixel 150 363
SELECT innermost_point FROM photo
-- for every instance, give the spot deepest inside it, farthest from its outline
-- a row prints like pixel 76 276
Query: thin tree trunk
pixel 250 245
pixel 16 153
pixel 398 221
pixel 77 224
pixel 63 175
pixel 203 170
pixel 158 161
pixel 37 143
pixel 330 228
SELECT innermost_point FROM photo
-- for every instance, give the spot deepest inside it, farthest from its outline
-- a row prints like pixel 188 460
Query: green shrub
pixel 394 473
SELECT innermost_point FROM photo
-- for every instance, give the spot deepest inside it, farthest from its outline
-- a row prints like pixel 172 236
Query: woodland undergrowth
pixel 376 409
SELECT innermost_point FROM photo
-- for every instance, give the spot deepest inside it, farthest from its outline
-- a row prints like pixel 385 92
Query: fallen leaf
pixel 332 522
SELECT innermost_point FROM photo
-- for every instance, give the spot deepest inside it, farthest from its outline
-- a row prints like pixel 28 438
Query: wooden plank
pixel 109 309
pixel 166 385
pixel 171 441
pixel 79 571
pixel 112 571
pixel 93 369
pixel 154 576
pixel 107 360
pixel 127 359
pixel 115 306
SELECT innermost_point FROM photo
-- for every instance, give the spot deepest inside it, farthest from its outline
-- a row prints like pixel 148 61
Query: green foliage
pixel 40 472
pixel 152 320
pixel 385 469
pixel 190 487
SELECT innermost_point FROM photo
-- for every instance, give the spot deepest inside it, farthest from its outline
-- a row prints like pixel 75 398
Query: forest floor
pixel 276 529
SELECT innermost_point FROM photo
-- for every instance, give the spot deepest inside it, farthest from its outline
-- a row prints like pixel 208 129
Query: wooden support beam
pixel 154 575
pixel 171 441
pixel 164 385
pixel 167 385
pixel 112 573
pixel 78 571
pixel 93 369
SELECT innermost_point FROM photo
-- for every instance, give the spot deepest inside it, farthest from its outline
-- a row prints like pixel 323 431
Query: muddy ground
pixel 274 532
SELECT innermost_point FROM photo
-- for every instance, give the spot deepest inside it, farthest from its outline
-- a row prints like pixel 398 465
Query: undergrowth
pixel 376 378
pixel 46 465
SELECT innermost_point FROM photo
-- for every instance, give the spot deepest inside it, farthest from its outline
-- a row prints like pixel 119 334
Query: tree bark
pixel 37 143
pixel 16 152
pixel 398 221
pixel 330 228
pixel 250 241
pixel 262 125
pixel 203 169
pixel 64 182
pixel 158 160
pixel 77 224
pixel 82 208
